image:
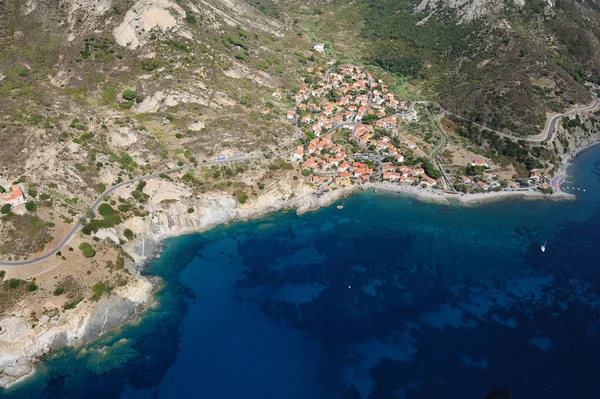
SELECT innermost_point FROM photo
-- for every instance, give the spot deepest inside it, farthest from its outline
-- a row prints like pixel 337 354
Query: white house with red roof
pixel 299 153
pixel 479 163
pixel 14 197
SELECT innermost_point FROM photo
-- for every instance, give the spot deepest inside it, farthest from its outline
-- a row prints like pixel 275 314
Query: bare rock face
pixel 21 344
pixel 144 16
pixel 109 313
pixel 468 10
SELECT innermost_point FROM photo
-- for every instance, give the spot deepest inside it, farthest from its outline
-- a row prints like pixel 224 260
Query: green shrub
pixel 87 250
pixel 100 289
pixel 124 207
pixel 71 305
pixel 120 262
pixel 31 206
pixel 5 209
pixel 149 66
pixel 190 210
pixel 128 234
pixel 176 44
pixel 2 274
pixel 237 42
pixel 106 210
pixel 31 287
pixel 129 95
pixel 241 196
pixel 58 291
pixel 14 283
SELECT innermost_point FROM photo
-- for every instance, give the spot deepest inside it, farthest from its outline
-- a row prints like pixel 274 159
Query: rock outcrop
pixel 171 218
pixel 21 346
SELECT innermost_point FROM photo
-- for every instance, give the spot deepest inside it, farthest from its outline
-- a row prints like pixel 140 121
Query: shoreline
pixel 440 197
pixel 220 209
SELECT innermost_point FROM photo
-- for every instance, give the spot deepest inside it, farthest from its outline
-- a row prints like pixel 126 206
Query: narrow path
pixel 109 191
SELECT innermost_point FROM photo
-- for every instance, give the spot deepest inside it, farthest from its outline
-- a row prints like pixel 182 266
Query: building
pixel 482 185
pixel 479 163
pixel 391 176
pixel 426 180
pixel 298 153
pixel 14 197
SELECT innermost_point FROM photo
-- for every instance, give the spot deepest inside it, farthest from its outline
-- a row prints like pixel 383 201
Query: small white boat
pixel 340 207
pixel 543 247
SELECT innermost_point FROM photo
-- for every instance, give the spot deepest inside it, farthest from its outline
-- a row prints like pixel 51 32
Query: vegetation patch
pixel 87 250
pixel 25 234
pixel 110 219
pixel 99 289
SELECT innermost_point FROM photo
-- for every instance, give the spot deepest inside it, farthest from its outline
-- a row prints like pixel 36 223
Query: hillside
pixel 502 64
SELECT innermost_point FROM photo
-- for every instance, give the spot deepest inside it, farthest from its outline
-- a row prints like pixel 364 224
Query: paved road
pixel 100 199
pixel 556 118
pixel 545 136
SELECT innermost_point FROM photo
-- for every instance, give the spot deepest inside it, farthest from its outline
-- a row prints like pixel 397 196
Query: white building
pixel 14 197
pixel 320 47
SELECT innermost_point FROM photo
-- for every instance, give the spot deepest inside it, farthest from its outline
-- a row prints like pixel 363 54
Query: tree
pixel 87 250
pixel 2 189
pixel 31 206
pixel 5 209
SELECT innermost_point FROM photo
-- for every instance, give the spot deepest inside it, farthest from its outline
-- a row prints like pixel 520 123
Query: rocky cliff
pixel 21 346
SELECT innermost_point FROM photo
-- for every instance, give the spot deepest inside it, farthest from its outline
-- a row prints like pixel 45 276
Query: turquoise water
pixel 386 298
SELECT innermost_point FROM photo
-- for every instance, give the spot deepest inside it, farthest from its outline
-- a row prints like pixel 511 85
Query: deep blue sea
pixel 387 298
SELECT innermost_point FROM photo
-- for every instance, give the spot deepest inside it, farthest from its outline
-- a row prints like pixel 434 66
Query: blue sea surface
pixel 386 298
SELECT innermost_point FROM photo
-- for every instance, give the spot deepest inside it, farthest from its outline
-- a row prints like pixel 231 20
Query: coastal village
pixel 351 122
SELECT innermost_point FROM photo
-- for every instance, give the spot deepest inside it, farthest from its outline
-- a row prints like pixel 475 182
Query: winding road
pixel 545 136
pixel 556 118
pixel 109 191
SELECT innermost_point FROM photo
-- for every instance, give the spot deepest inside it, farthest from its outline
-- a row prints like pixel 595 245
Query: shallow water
pixel 386 298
